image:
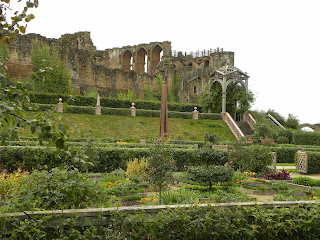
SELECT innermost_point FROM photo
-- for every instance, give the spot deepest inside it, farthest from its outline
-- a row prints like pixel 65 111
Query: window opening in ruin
pixel 190 65
pixel 157 54
pixel 146 63
pixel 206 64
pixel 127 60
pixel 141 60
pixel 195 89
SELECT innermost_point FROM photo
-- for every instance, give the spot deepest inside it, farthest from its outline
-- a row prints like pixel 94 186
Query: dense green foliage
pixel 49 72
pixel 210 174
pixel 237 100
pixel 56 189
pixel 194 223
pixel 313 162
pixel 306 181
pixel 109 159
pixel 254 158
pixel 306 138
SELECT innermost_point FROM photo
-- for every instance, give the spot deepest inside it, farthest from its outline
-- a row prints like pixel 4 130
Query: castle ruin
pixel 121 69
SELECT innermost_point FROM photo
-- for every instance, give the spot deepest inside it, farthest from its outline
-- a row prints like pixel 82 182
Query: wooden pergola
pixel 225 75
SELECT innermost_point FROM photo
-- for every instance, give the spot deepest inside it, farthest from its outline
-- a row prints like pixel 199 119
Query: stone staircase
pixel 245 128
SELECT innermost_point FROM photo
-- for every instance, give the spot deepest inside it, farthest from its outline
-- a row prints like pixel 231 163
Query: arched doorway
pixel 127 60
pixel 156 55
pixel 141 60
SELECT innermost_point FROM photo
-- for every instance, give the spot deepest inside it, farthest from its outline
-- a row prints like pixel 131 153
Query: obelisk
pixel 164 129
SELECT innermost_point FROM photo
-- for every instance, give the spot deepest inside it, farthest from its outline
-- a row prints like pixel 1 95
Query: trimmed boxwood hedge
pixel 306 138
pixel 127 112
pixel 53 98
pixel 30 158
pixel 313 162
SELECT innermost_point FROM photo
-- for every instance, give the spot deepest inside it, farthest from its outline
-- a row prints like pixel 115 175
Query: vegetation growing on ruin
pixel 50 74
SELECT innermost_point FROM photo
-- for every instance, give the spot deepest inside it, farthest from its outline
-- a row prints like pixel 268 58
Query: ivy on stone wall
pixel 50 74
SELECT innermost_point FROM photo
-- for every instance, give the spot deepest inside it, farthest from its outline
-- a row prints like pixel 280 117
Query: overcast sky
pixel 276 42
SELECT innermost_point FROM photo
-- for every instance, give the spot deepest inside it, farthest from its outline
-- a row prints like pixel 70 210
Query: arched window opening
pixel 127 60
pixel 195 89
pixel 156 56
pixel 206 64
pixel 141 60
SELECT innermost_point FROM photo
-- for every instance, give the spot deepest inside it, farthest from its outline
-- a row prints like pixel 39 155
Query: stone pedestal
pixel 195 113
pixel 133 110
pixel 60 106
pixel 98 107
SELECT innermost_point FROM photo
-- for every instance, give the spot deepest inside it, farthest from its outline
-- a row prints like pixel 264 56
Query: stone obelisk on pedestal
pixel 164 129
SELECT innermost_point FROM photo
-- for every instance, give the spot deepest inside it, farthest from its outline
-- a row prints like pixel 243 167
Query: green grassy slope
pixel 122 127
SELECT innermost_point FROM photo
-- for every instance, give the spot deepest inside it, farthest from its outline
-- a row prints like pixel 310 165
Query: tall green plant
pixel 50 74
pixel 160 166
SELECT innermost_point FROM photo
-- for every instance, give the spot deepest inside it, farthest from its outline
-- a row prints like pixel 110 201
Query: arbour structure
pixel 225 75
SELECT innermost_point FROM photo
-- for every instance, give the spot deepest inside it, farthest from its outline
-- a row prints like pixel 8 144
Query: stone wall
pixel 118 69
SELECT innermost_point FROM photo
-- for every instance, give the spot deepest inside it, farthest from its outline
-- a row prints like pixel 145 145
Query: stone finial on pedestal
pixel 195 113
pixel 60 106
pixel 133 110
pixel 98 107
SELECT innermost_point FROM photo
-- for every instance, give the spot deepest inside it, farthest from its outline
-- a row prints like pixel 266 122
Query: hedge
pixel 313 162
pixel 30 158
pixel 127 112
pixel 287 153
pixel 306 138
pixel 210 222
pixel 52 98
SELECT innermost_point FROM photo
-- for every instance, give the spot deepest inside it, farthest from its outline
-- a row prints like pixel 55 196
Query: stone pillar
pixel 98 107
pixel 133 110
pixel 60 106
pixel 195 113
pixel 224 102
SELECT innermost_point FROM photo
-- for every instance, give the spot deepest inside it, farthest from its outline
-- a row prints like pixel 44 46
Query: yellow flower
pixel 314 197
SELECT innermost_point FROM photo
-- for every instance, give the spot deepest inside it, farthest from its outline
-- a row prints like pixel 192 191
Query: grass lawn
pixel 124 127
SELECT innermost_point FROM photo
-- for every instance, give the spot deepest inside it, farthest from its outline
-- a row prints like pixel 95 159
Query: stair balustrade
pixel 232 125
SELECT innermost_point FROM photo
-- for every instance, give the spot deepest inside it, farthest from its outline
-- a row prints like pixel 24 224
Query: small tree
pixel 292 121
pixel 50 74
pixel 210 174
pixel 160 166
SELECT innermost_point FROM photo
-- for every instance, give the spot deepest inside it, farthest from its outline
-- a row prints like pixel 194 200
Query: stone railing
pixel 247 117
pixel 232 125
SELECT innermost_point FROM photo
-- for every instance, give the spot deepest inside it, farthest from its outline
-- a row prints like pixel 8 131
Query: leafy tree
pixel 238 102
pixel 11 27
pixel 50 74
pixel 148 94
pixel 131 96
pixel 292 121
pixel 160 166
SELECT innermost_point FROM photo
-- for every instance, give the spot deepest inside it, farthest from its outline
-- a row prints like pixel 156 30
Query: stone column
pixel 98 107
pixel 133 110
pixel 60 106
pixel 195 113
pixel 224 102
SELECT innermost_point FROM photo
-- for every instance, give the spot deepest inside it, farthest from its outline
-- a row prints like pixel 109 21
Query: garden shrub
pixel 195 223
pixel 285 154
pixel 313 162
pixel 306 138
pixel 306 181
pixel 56 189
pixel 210 174
pixel 136 167
pixel 108 159
pixel 254 158
pixel 282 140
